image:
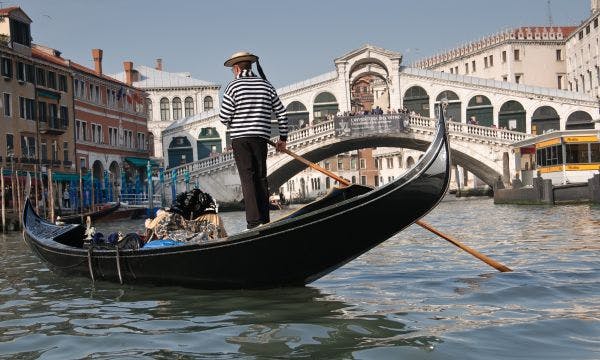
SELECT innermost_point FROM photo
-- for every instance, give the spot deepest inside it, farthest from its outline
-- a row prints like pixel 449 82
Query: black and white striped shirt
pixel 247 105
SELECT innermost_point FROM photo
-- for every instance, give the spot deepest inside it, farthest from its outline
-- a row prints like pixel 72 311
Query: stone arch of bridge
pixel 285 167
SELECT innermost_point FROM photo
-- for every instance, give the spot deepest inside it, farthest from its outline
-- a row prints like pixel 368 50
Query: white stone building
pixel 526 55
pixel 583 55
pixel 171 97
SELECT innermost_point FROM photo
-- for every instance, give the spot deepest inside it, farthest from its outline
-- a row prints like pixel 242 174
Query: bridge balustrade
pixel 326 128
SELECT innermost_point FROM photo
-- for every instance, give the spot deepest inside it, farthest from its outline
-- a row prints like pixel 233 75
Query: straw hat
pixel 240 56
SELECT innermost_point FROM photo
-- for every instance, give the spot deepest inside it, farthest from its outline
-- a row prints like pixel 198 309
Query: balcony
pixel 53 127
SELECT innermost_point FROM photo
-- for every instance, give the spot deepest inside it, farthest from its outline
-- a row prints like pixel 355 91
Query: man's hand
pixel 280 145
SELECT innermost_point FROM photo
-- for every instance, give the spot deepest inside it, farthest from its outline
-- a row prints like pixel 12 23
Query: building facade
pixel 111 129
pixel 171 97
pixel 583 55
pixel 526 55
pixel 36 102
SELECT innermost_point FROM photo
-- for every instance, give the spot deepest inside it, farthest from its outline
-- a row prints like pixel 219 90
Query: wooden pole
pixel 498 266
pixel 18 197
pixel 3 205
pixel 12 186
pixel 51 194
pixel 93 197
pixel 81 195
pixel 37 202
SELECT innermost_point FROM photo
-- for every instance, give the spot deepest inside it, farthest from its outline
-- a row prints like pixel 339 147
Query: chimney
pixel 97 56
pixel 128 66
pixel 159 64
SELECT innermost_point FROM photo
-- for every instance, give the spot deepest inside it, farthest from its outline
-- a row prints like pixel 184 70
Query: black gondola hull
pixel 292 251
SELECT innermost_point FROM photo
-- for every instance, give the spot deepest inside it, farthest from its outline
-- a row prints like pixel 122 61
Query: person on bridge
pixel 246 108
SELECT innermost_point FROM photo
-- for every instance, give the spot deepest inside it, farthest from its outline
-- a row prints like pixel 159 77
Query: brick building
pixel 111 128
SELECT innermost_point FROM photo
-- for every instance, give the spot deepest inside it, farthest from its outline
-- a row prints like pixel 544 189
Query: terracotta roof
pixel 92 72
pixel 8 10
pixel 40 54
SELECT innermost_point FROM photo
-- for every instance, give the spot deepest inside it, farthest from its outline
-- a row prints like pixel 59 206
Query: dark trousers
pixel 251 159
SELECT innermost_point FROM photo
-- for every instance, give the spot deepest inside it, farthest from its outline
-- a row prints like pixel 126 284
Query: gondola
pixel 94 215
pixel 292 251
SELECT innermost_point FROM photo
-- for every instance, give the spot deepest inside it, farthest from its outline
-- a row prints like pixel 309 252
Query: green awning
pixel 58 176
pixel 140 162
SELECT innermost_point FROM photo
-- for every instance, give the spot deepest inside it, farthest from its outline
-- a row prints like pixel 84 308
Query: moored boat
pixel 294 250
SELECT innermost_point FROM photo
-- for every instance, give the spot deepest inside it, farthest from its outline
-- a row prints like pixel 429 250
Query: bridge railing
pixel 327 128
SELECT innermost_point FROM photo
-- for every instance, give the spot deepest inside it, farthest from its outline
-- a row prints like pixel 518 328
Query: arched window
pixel 164 109
pixel 189 106
pixel 149 109
pixel 208 103
pixel 176 108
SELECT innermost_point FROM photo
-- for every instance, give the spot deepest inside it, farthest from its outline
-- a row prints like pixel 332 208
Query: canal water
pixel 415 296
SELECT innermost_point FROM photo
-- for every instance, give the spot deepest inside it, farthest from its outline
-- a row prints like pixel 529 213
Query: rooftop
pixel 150 78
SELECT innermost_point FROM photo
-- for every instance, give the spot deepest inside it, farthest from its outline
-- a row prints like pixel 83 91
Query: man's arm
pixel 279 111
pixel 227 108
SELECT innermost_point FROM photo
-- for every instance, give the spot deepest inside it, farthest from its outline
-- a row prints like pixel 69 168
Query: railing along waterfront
pixel 326 129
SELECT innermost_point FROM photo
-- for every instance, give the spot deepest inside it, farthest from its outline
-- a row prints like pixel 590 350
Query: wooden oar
pixel 498 266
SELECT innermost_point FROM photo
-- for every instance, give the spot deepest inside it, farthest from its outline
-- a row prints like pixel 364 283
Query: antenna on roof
pixel 549 14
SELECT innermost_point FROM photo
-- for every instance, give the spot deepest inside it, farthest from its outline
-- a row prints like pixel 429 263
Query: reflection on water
pixel 415 296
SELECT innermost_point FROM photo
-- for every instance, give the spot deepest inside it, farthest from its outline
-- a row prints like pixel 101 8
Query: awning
pixel 140 162
pixel 58 176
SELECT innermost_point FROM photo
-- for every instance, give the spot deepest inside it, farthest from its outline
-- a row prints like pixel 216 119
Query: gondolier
pixel 248 102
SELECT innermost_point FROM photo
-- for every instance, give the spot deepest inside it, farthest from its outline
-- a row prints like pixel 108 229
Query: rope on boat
pixel 119 266
pixel 89 256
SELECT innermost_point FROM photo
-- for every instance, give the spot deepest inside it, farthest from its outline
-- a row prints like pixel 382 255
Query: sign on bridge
pixel 369 124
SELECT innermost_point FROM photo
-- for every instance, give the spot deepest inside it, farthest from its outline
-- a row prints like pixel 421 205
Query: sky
pixel 295 40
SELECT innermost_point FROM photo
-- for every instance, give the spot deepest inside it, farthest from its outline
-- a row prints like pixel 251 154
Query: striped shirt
pixel 247 105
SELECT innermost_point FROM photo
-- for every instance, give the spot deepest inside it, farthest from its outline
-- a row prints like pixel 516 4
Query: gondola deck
pixel 295 250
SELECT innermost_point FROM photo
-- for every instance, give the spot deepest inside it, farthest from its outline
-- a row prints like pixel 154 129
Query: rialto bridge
pixel 371 77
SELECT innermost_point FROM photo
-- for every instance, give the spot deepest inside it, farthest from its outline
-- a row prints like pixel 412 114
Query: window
pixel 456 69
pixel 62 83
pixel 20 32
pixel 112 136
pixel 517 55
pixel 363 179
pixel 595 152
pixel 141 141
pixel 40 77
pixel 28 146
pixel 91 93
pixel 6 67
pixel 97 134
pixel 485 62
pixel 473 66
pixel 20 71
pixel 390 163
pixel 518 79
pixel 559 56
pixel 164 109
pixel 504 56
pixel 580 35
pixel 65 151
pixel 451 70
pixel 149 109
pixel 7 104
pixel 53 115
pixel 466 68
pixel 577 153
pixel 208 103
pixel 327 165
pixel 64 115
pixel 189 106
pixel 42 112
pixel 54 151
pixel 30 73
pixel 353 163
pixel 44 151
pixel 26 108
pixel 491 60
pixel 82 163
pixel 340 164
pixel 176 108
pixel 51 80
pixel 362 164
pixel 10 146
pixel 587 29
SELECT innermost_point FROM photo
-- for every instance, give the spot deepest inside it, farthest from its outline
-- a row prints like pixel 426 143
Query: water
pixel 415 296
